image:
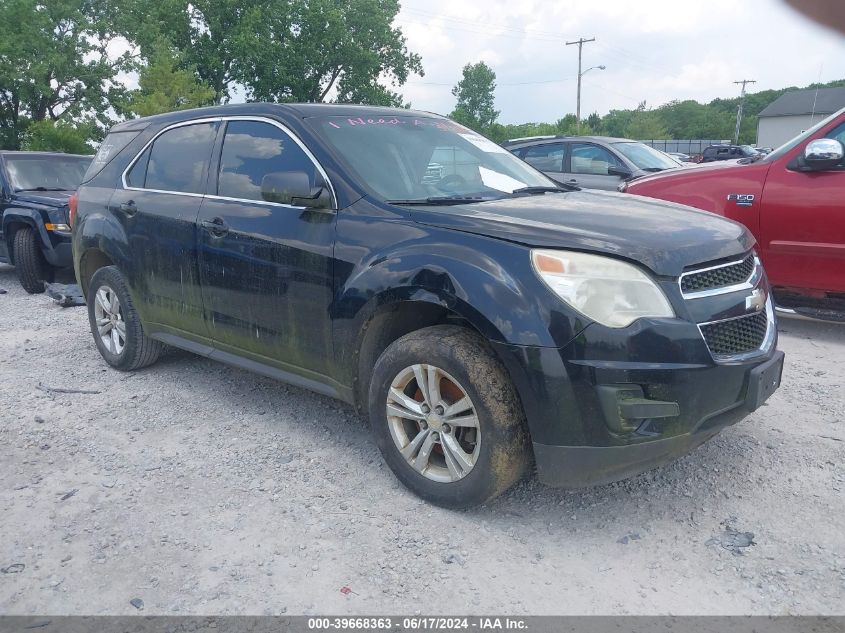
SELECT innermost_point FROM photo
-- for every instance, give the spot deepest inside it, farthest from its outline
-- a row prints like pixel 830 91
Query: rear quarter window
pixel 109 148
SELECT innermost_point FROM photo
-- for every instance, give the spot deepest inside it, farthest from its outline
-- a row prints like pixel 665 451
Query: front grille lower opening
pixel 736 336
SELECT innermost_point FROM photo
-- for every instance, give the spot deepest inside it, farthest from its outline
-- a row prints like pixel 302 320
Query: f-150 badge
pixel 742 199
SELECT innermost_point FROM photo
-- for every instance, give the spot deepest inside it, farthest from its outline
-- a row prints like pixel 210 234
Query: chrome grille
pixel 736 336
pixel 718 276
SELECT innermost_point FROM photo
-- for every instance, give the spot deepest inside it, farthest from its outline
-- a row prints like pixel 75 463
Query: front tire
pixel 31 266
pixel 447 417
pixel 115 323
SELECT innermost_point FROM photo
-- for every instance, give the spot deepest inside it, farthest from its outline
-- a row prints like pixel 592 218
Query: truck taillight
pixel 72 203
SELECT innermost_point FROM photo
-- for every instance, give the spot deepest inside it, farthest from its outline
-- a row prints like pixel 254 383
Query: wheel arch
pixel 395 314
pixel 433 282
pixel 15 219
pixel 92 260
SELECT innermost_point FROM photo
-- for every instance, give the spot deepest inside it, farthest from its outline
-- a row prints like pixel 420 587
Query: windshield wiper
pixel 656 169
pixel 445 200
pixel 563 188
pixel 39 189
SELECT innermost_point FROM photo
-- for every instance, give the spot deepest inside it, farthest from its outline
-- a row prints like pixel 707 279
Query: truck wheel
pixel 32 268
pixel 115 324
pixel 447 418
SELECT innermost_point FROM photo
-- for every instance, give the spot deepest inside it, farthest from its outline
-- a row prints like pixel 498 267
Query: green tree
pixel 316 50
pixel 284 50
pixel 54 63
pixel 616 122
pixel 476 100
pixel 164 86
pixel 594 123
pixel 646 125
pixel 58 136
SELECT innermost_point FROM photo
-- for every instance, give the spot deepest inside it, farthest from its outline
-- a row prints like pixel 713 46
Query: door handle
pixel 216 226
pixel 129 208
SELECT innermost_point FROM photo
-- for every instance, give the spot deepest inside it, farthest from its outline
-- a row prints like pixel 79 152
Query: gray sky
pixel 654 50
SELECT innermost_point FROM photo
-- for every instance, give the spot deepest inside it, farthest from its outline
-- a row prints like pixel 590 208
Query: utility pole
pixel 581 41
pixel 739 109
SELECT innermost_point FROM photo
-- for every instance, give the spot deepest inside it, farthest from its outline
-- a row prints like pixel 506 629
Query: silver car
pixel 591 162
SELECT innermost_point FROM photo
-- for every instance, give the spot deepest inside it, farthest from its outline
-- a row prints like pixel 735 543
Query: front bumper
pixel 58 251
pixel 580 438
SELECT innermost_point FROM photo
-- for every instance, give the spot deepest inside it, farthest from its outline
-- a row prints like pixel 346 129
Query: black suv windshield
pixel 645 157
pixel 418 158
pixel 46 173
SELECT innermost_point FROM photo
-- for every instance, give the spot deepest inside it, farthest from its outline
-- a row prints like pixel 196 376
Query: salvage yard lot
pixel 191 487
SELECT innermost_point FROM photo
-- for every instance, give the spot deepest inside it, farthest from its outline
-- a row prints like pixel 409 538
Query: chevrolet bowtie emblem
pixel 756 301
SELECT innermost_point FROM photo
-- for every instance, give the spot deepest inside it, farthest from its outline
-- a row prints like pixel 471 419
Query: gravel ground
pixel 194 488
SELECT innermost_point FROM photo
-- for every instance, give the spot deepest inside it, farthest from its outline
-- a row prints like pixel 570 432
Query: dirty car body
pixel 316 293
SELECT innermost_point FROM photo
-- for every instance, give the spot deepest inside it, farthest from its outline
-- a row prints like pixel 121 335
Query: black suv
pixel 34 229
pixel 729 152
pixel 482 317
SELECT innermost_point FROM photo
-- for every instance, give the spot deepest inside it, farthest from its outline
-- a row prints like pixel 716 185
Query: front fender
pixel 487 282
pixel 29 217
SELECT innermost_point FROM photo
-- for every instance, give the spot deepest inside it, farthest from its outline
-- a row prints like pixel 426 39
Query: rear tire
pixel 31 266
pixel 115 323
pixel 460 443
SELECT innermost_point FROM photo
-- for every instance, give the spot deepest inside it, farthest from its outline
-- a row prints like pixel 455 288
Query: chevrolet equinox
pixel 484 318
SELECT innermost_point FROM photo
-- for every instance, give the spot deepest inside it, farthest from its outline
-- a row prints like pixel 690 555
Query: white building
pixel 795 111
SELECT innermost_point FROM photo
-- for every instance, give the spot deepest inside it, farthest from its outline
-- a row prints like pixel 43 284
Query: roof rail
pixel 533 138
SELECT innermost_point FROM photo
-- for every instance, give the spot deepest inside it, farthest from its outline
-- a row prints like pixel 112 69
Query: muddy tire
pixel 31 266
pixel 447 418
pixel 115 324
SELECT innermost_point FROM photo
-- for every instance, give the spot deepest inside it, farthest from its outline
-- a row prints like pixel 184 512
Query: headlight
pixel 603 289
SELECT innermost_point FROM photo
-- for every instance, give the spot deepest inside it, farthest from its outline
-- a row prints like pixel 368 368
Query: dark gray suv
pixel 591 162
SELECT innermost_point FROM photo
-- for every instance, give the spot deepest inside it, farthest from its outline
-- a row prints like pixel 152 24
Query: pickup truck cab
pixel 34 226
pixel 482 317
pixel 793 201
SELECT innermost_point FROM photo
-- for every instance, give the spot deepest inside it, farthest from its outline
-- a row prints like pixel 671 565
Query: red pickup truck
pixel 792 200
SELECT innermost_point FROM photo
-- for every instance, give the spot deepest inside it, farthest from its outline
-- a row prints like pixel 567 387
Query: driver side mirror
pixel 822 154
pixel 294 188
pixel 619 171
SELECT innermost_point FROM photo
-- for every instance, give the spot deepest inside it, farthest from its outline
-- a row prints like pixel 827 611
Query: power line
pixel 482 31
pixel 498 84
pixel 627 57
pixel 616 92
pixel 497 25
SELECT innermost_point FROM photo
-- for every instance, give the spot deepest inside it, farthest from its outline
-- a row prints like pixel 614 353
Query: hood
pixel 663 236
pixel 47 198
pixel 725 171
pixel 693 169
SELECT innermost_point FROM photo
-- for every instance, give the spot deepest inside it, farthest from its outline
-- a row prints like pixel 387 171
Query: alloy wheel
pixel 109 318
pixel 433 423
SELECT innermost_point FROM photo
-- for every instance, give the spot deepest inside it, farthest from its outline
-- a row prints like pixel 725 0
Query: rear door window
pixel 177 161
pixel 547 157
